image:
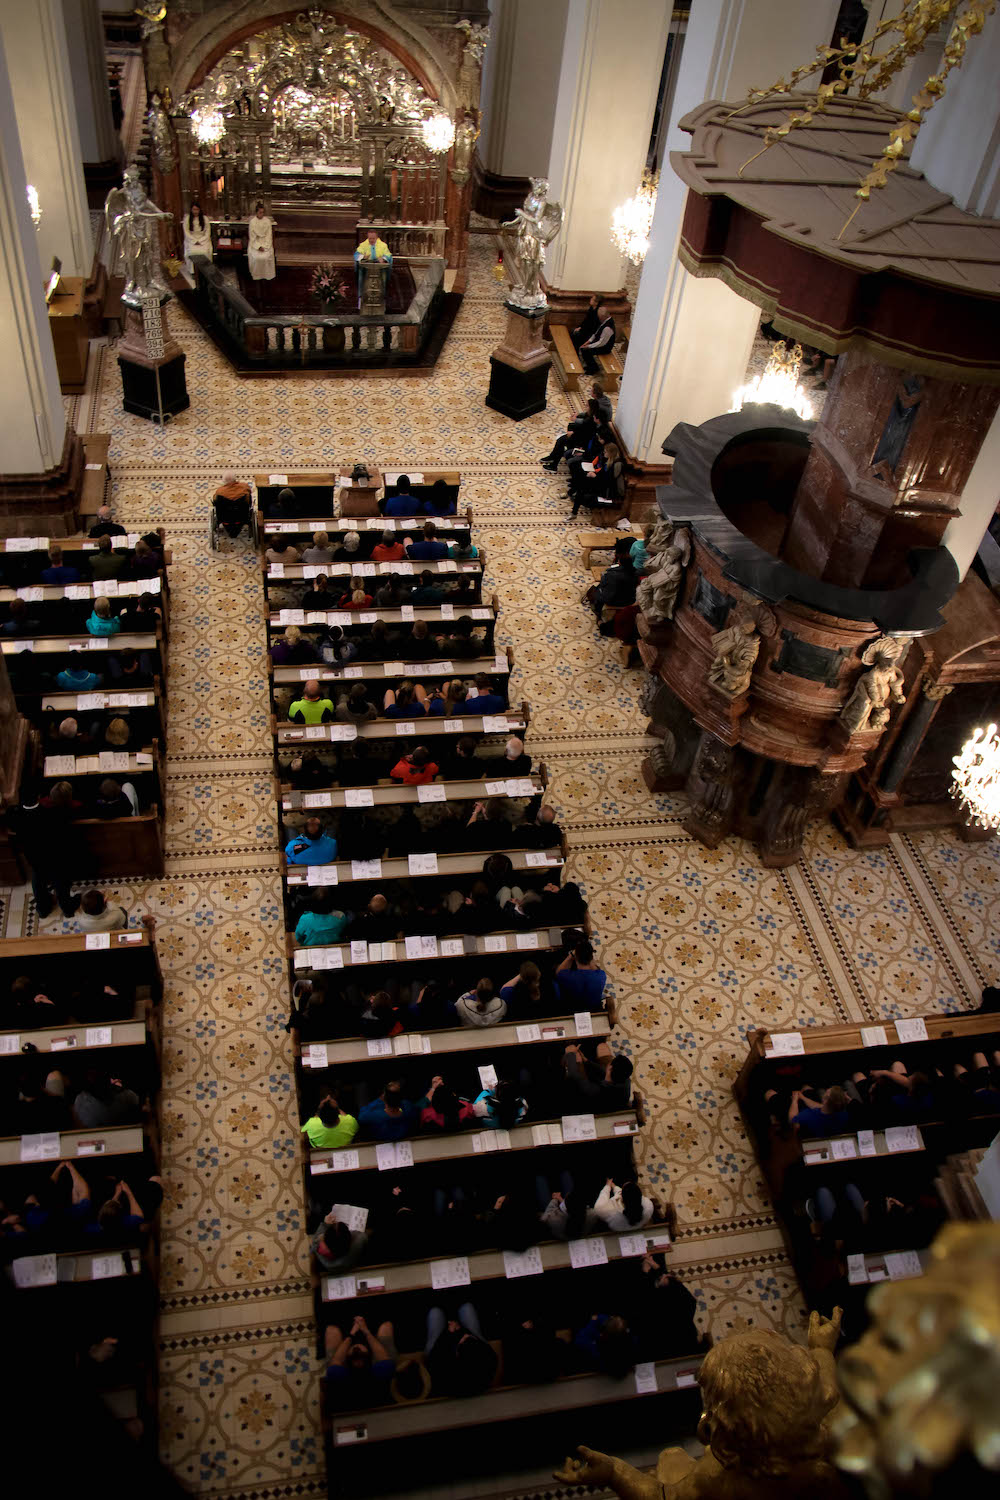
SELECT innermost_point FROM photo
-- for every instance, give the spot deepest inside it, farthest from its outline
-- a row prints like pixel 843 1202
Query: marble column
pixel 691 336
pixel 34 37
pixel 100 143
pixel 520 83
pixel 42 460
pixel 609 78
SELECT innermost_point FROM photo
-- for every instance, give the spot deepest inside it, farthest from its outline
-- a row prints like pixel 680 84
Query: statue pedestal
pixel 153 383
pixel 519 366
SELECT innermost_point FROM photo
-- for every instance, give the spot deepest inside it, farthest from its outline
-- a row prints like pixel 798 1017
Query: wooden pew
pixel 83 594
pixel 148 702
pixel 440 617
pixel 403 951
pixel 359 497
pixel 74 1145
pixel 500 664
pixel 363 1156
pixel 96 489
pixel 375 525
pixel 285 573
pixel 511 721
pixel 415 865
pixel 604 540
pixel 565 360
pixel 94 647
pixel 457 1039
pixel 612 367
pixel 391 794
pixel 314 492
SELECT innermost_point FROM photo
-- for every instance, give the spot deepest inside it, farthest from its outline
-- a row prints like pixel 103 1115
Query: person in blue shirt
pixel 76 678
pixel 462 548
pixel 501 1107
pixel 408 701
pixel 312 846
pixel 830 1116
pixel 429 547
pixel 402 503
pixel 607 1344
pixel 58 571
pixel 321 923
pixel 580 981
pixel 19 622
pixel 427 590
pixel 102 621
pixel 485 700
pixel 392 1117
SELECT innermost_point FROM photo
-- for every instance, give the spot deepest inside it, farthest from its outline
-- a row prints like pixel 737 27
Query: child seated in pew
pixel 103 621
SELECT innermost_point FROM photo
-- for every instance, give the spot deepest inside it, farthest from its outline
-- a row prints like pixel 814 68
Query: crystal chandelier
pixel 632 221
pixel 209 124
pixel 439 133
pixel 34 205
pixel 778 385
pixel 976 781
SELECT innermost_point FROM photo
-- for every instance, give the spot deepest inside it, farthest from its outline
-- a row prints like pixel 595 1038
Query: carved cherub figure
pixel 766 1426
pixel 736 650
pixel 868 705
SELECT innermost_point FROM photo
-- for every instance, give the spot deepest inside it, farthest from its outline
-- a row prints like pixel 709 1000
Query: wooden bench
pixel 278 574
pixel 391 794
pixel 422 950
pixel 565 360
pixel 415 866
pixel 363 1156
pixel 388 672
pixel 460 1039
pixel 439 616
pixel 340 526
pixel 612 367
pixel 96 476
pixel 604 540
pixel 76 1145
pixel 358 499
pixel 314 491
pixel 511 721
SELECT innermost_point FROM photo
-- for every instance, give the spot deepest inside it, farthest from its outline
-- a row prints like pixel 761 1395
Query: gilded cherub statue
pixel 868 705
pixel 735 650
pixel 767 1405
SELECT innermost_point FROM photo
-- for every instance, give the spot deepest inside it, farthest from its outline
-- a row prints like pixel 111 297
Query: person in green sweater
pixel 312 707
pixel 105 563
pixel 322 923
pixel 330 1127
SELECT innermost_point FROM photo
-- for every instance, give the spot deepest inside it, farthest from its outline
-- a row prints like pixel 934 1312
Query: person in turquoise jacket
pixel 321 923
pixel 102 621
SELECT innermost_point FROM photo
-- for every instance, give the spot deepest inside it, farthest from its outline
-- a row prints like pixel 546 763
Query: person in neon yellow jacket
pixel 371 248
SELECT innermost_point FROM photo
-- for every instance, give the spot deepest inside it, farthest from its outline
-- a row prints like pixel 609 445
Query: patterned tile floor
pixel 699 944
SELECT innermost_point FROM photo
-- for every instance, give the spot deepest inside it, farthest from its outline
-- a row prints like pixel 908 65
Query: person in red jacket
pixel 415 769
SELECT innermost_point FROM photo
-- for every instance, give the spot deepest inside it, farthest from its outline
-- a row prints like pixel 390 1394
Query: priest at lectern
pixel 371 249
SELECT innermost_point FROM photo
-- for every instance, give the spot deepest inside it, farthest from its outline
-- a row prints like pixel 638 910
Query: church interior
pixel 583 415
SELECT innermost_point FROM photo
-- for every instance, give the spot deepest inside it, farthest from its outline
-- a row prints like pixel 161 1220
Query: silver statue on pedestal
pixel 130 220
pixel 534 226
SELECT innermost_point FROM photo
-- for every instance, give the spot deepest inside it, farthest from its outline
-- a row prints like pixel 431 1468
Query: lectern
pixel 373 275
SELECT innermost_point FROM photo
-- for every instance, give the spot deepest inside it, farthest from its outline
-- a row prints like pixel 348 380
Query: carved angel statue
pixel 868 705
pixel 669 550
pixel 130 220
pixel 534 226
pixel 736 650
pixel 766 1425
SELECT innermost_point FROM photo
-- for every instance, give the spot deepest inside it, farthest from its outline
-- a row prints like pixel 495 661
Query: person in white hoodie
pixel 623 1208
pixel 481 1007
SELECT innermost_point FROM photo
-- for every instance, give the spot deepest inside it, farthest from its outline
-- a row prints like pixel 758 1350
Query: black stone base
pixel 139 388
pixel 517 393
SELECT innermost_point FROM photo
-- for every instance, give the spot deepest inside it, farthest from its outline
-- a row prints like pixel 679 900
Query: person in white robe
pixel 197 237
pixel 260 248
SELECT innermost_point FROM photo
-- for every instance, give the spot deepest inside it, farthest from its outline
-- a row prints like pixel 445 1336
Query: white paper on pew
pixel 90 700
pixel 487 1075
pixel 526 940
pixel 447 611
pixel 97 1036
pixel 281 479
pixel 292 616
pixel 385 1156
pixel 62 1043
pixel 579 1128
pixel 520 786
pixel 351 1214
pixel 105 1267
pixel 316 799
pixel 866 1143
pixel 422 864
pixel 381 1047
pixel 588 1252
pixel 484 1141
pixel 495 943
pixel 392 668
pixel 844 1150
pixel 784 1044
pixel 445 1273
pixel 452 947
pixel 98 643
pixel 522 1263
pixel 375 523
pixel 97 940
pixel 481 614
pixel 340 1288
pixel 321 875
pixel 857 1271
pixel 32 596
pixel 345 482
pixel 401 1045
pixel 59 765
pixel 502 1139
pixel 35 1270
pixel 873 1036
pixel 9 1045
pixel 530 1033
pixel 496 788
pixel 404 1154
pixel 902 1138
pixel 315 732
pixel 903 1263
pixel 345 1161
pixel 359 796
pixel 631 1244
pixel 359 951
pixel 914 1030
pixel 316 1055
pixel 538 859
pixel 44 1147
pixel 584 1023
pixel 408 728
pixel 406 611
pixel 645 1374
pixel 421 947
pixel 494 724
pixel 77 591
pixel 454 726
pixel 431 792
pixel 277 570
pixel 343 731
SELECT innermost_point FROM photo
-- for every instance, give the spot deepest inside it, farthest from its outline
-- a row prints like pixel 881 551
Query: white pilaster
pixel 32 417
pixel 691 336
pixel 980 499
pixel 99 141
pixel 38 61
pixel 520 83
pixel 611 63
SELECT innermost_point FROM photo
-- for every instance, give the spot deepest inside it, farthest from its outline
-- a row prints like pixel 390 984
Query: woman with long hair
pixel 197 237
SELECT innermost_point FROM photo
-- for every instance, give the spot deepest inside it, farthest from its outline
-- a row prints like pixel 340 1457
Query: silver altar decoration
pixel 130 220
pixel 533 227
